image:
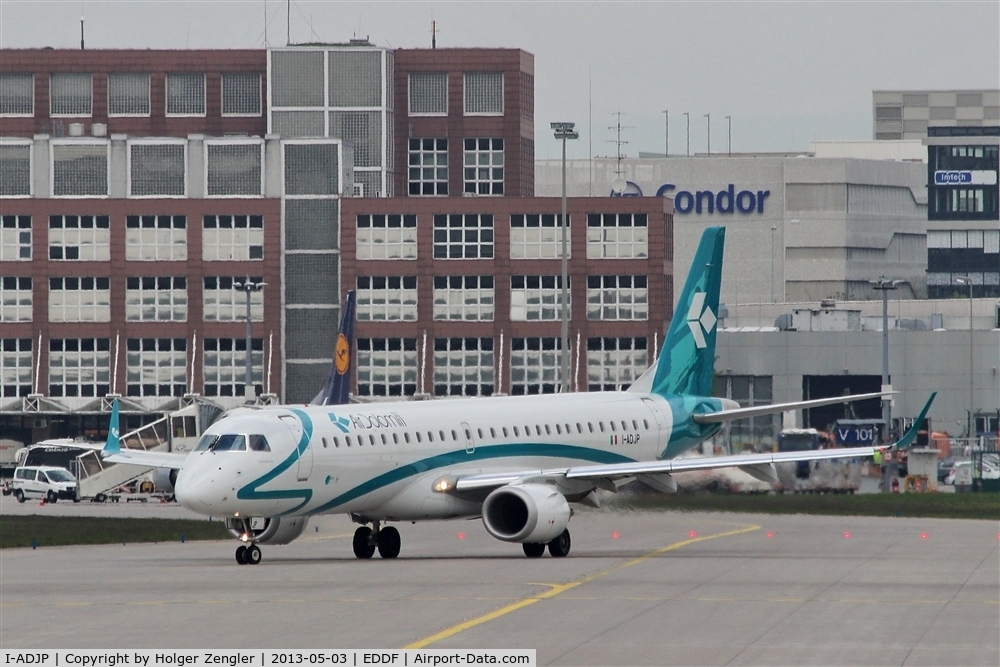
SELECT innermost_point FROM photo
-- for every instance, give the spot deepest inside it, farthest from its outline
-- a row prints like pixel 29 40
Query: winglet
pixel 113 444
pixel 906 442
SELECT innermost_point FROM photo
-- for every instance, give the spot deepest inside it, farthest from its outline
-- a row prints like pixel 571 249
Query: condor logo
pixel 700 317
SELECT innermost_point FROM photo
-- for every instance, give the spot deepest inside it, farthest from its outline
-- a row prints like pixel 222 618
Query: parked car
pixel 46 482
pixel 944 467
pixel 960 471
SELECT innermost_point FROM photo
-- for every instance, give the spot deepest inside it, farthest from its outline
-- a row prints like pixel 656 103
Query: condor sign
pixel 744 202
pixel 723 201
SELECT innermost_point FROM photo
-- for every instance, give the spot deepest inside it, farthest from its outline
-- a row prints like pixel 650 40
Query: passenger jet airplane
pixel 517 462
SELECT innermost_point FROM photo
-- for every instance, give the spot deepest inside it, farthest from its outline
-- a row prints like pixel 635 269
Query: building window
pixel 225 362
pixel 15 169
pixel 468 236
pixel 617 298
pixel 464 298
pixel 535 365
pixel 156 367
pixel 128 94
pixel 156 237
pixel 234 169
pixel 428 170
pixel 80 237
pixel 232 237
pixel 222 303
pixel 156 299
pixel 364 130
pixel 387 366
pixel 484 93
pixel 617 236
pixel 157 170
pixel 15 299
pixel 15 238
pixel 241 94
pixel 748 391
pixel 484 166
pixel 615 363
pixel 80 169
pixel 386 237
pixel 387 298
pixel 961 202
pixel 185 94
pixel 463 367
pixel 538 298
pixel 15 367
pixel 83 299
pixel 17 94
pixel 428 94
pixel 70 94
pixel 538 236
pixel 79 367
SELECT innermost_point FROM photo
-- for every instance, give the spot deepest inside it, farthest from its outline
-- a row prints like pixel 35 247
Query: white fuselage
pixel 380 460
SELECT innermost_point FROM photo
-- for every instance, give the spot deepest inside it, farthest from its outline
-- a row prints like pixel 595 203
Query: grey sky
pixel 787 72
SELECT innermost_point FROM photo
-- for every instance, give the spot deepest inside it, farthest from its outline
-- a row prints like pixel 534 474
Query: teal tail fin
pixel 906 442
pixel 113 444
pixel 687 361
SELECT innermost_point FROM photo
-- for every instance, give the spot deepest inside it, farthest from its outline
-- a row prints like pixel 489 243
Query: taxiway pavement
pixel 639 588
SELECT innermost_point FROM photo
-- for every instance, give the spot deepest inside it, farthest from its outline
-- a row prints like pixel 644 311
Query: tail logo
pixel 340 422
pixel 700 317
pixel 342 354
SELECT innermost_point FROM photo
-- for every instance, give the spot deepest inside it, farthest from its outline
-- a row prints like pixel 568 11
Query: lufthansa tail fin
pixel 338 384
pixel 687 360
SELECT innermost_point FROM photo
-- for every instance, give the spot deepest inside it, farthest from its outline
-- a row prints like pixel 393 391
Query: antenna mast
pixel 434 34
pixel 618 141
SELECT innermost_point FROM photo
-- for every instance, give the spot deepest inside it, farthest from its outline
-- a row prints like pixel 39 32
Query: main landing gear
pixel 558 547
pixel 386 540
pixel 248 554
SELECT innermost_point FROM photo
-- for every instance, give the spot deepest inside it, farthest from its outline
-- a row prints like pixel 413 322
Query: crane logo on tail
pixel 700 317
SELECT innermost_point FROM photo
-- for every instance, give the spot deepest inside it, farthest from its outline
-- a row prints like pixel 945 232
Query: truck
pixel 834 476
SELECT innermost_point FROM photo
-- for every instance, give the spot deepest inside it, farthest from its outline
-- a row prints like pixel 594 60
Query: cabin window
pixel 325 444
pixel 624 426
pixel 645 424
pixel 635 425
pixel 493 432
pixel 384 441
pixel 612 425
pixel 418 437
pixel 558 429
pixel 443 436
pixel 480 432
pixel 568 429
pixel 406 437
pixel 347 439
pixel 579 427
pixel 504 429
pixel 336 442
pixel 516 433
pixel 468 434
pixel 601 424
pixel 395 439
pixel 371 439
pixel 430 436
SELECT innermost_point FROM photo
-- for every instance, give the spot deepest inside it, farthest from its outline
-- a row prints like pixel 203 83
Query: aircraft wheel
pixel 388 542
pixel 559 547
pixel 533 549
pixel 240 554
pixel 19 495
pixel 252 555
pixel 364 545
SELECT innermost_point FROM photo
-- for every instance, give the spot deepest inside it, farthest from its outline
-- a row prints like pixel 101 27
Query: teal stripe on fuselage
pixel 457 457
pixel 250 492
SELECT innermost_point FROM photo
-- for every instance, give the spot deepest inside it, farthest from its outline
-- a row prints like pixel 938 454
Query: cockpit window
pixel 230 443
pixel 206 442
pixel 258 443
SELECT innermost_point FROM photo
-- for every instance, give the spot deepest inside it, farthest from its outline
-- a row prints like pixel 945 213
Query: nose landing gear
pixel 248 554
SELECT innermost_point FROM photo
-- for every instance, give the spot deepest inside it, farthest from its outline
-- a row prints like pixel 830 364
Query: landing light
pixel 244 537
pixel 443 485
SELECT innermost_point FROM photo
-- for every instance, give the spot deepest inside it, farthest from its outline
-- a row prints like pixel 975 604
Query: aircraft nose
pixel 194 488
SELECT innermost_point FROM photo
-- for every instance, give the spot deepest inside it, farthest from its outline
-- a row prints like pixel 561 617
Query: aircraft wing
pixel 742 413
pixel 760 466
pixel 138 457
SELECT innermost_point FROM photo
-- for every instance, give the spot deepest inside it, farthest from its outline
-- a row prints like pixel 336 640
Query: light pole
pixel 666 133
pixel 688 117
pixel 884 285
pixel 564 131
pixel 709 117
pixel 248 287
pixel 773 230
pixel 967 280
pixel 730 119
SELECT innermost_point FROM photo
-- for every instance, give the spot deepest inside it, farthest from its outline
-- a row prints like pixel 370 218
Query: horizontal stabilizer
pixel 743 413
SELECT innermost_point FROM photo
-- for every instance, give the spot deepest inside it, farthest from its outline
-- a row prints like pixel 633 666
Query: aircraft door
pixel 470 443
pixel 662 427
pixel 305 460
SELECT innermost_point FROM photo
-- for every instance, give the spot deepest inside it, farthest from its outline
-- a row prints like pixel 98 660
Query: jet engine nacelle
pixel 533 513
pixel 164 479
pixel 276 530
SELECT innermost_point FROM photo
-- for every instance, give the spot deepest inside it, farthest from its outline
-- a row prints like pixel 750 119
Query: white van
pixel 46 482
